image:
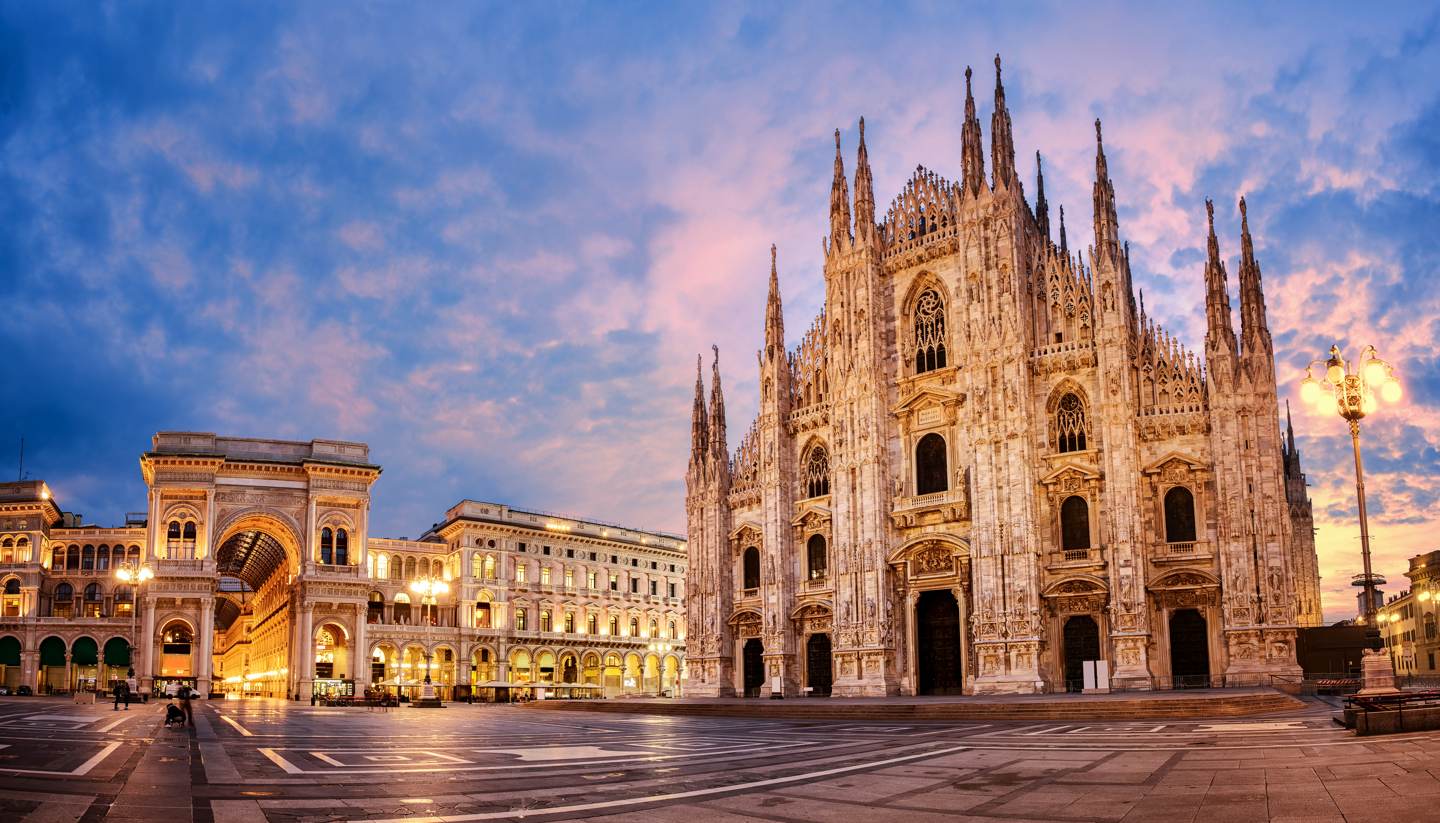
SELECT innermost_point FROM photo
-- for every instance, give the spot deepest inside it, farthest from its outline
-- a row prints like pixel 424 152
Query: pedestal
pixel 427 700
pixel 1377 673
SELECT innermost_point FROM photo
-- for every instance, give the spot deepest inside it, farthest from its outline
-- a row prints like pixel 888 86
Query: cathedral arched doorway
pixel 818 673
pixel 753 655
pixel 937 644
pixel 1081 642
pixel 1189 650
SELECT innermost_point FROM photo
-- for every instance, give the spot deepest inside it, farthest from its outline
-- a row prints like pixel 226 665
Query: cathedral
pixel 984 469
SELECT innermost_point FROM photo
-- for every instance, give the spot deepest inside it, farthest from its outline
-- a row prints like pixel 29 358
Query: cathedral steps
pixel 1158 705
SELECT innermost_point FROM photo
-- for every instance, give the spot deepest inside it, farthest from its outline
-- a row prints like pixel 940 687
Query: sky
pixel 490 239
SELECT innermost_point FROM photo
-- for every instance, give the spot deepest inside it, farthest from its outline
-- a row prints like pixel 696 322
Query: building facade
pixel 1408 620
pixel 267 582
pixel 984 464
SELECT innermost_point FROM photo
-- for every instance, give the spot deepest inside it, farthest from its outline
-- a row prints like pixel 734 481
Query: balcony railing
pixel 1094 555
pixel 1183 550
pixel 341 571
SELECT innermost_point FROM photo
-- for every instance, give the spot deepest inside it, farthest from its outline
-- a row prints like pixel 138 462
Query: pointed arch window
pixel 1179 515
pixel 929 329
pixel 750 572
pixel 817 472
pixel 1074 524
pixel 931 472
pixel 1071 425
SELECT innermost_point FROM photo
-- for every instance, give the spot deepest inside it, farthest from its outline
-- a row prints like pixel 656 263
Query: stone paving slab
pixel 550 766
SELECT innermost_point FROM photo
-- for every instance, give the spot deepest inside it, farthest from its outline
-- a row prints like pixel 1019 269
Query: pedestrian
pixel 184 694
pixel 122 692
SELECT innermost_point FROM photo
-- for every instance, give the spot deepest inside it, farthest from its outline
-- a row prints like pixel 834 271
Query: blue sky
pixel 490 239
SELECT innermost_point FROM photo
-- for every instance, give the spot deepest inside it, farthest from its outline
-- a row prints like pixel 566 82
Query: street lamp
pixel 428 588
pixel 1354 394
pixel 135 574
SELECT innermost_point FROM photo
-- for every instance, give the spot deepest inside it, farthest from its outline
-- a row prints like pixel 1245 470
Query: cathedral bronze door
pixel 937 644
pixel 754 656
pixel 1189 650
pixel 1082 642
pixel 817 665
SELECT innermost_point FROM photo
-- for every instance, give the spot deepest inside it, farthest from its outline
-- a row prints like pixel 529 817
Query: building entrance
pixel 754 656
pixel 817 665
pixel 937 644
pixel 1081 642
pixel 1189 650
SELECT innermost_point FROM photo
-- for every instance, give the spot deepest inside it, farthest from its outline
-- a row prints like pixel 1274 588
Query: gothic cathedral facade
pixel 984 466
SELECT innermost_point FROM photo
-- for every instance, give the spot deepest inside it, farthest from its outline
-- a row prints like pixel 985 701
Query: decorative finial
pixel 862 127
pixel 1097 131
pixel 1210 213
pixel 1244 218
pixel 837 140
pixel 967 78
pixel 716 348
pixel 772 258
pixel 997 64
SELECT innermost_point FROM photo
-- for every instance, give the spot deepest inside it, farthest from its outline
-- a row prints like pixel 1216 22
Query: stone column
pixel 912 640
pixel 145 671
pixel 360 651
pixel 30 668
pixel 206 663
pixel 307 650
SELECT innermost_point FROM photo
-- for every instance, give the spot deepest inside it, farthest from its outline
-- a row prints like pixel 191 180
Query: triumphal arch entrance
pixel 257 548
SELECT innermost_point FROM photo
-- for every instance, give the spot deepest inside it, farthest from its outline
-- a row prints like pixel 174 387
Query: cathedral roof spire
pixel 972 151
pixel 699 430
pixel 1107 226
pixel 1002 140
pixel 1042 209
pixel 1064 246
pixel 1289 431
pixel 839 201
pixel 1254 332
pixel 864 193
pixel 774 315
pixel 718 449
pixel 1220 331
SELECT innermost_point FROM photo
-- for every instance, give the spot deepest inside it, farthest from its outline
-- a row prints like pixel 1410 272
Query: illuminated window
pixel 520 619
pixel 544 575
pixel 519 572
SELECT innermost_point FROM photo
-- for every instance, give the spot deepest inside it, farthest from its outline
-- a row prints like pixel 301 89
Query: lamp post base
pixel 1377 674
pixel 427 700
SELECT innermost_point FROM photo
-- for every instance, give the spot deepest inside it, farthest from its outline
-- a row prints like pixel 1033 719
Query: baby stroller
pixel 173 715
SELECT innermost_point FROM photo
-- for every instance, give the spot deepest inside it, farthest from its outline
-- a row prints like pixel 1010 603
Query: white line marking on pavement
pixel 80 771
pixel 244 731
pixel 279 761
pixel 108 726
pixel 661 798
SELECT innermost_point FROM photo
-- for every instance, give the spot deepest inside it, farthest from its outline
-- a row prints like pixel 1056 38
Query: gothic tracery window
pixel 929 323
pixel 1070 425
pixel 817 472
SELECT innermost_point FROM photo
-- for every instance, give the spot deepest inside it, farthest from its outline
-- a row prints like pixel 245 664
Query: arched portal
pixel 334 671
pixel 52 664
pixel 1189 650
pixel 257 559
pixel 937 644
pixel 85 664
pixel 569 668
pixel 1081 643
pixel 754 656
pixel 817 665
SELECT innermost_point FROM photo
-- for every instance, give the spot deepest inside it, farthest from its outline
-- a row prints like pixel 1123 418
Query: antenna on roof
pixel 22 459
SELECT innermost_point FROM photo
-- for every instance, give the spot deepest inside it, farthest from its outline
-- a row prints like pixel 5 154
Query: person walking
pixel 184 694
pixel 121 692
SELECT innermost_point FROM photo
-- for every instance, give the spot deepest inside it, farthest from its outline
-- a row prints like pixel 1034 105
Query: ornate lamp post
pixel 135 574
pixel 428 588
pixel 1354 394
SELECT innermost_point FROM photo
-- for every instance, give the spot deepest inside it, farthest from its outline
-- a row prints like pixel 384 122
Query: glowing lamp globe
pixel 1335 372
pixel 1390 391
pixel 1310 392
pixel 1368 403
pixel 1375 373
